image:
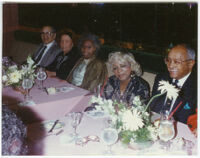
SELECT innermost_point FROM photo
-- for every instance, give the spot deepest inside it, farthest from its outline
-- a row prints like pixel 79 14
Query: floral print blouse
pixel 136 87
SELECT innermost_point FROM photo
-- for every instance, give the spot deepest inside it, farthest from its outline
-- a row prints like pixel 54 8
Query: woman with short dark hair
pixel 89 71
pixel 64 61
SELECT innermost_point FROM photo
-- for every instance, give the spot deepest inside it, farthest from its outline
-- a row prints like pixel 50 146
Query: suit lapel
pixel 183 94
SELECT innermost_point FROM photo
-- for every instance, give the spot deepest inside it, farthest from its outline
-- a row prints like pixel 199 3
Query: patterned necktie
pixel 41 53
pixel 169 102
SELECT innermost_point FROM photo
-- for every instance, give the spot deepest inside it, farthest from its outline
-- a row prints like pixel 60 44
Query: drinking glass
pixel 27 83
pixel 41 76
pixel 97 90
pixel 109 137
pixel 166 130
pixel 75 118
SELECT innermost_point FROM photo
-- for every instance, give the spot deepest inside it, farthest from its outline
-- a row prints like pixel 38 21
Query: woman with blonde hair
pixel 126 82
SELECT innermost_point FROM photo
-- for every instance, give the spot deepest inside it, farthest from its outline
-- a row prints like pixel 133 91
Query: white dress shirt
pixel 179 84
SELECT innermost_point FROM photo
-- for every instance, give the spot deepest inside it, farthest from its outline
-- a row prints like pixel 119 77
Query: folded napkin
pixel 27 103
pixel 51 90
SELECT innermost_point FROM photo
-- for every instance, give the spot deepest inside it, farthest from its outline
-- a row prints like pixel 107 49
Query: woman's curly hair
pixel 125 57
pixel 90 37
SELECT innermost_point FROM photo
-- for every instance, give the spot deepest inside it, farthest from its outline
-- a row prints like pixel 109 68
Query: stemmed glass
pixel 27 83
pixel 75 118
pixel 41 76
pixel 97 90
pixel 109 137
pixel 166 130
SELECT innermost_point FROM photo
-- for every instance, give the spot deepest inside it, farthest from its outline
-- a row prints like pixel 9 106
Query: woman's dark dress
pixel 63 64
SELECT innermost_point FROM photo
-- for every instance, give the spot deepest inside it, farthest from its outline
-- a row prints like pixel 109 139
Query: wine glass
pixel 41 76
pixel 166 130
pixel 109 137
pixel 75 118
pixel 27 83
pixel 97 90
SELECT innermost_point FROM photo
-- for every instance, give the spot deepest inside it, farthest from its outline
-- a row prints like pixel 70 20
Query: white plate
pixel 47 125
pixel 64 89
pixel 95 114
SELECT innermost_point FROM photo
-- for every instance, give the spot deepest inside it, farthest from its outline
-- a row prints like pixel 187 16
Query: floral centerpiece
pixel 133 122
pixel 13 75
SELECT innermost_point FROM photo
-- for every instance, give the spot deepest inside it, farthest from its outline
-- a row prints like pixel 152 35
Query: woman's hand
pixel 51 74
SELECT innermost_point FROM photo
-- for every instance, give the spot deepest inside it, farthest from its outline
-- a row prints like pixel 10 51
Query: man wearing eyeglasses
pixel 180 62
pixel 48 49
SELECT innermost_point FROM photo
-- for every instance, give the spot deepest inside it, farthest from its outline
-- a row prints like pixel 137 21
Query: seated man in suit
pixel 180 62
pixel 49 49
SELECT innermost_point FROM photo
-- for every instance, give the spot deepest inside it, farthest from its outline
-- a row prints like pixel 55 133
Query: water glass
pixel 27 83
pixel 166 130
pixel 109 137
pixel 75 119
pixel 41 76
pixel 97 90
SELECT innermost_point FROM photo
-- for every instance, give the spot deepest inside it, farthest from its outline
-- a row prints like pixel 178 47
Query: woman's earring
pixel 132 74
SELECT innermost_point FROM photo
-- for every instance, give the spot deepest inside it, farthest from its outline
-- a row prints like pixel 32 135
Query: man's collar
pixel 50 44
pixel 182 80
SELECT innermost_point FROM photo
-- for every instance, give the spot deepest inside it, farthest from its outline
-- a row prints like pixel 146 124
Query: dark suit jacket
pixel 187 94
pixel 52 52
pixel 66 66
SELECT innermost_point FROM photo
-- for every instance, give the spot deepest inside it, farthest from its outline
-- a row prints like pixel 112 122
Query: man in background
pixel 48 49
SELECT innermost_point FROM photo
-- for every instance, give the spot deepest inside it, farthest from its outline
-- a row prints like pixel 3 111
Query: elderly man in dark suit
pixel 49 49
pixel 180 62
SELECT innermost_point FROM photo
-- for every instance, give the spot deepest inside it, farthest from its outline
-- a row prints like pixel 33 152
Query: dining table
pixel 44 105
pixel 90 142
pixel 50 129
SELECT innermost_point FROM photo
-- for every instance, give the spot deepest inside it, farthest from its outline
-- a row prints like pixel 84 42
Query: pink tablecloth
pixel 57 144
pixel 47 106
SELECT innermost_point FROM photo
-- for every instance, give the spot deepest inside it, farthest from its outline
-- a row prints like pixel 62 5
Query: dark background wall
pixel 153 23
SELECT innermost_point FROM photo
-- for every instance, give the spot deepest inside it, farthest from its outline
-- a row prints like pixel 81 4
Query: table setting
pixel 111 128
pixel 31 93
pixel 90 136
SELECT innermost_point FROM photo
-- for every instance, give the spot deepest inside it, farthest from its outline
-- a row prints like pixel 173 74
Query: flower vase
pixel 139 145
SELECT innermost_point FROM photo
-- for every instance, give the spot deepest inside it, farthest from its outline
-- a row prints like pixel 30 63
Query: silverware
pixel 56 134
pixel 51 130
pixel 59 132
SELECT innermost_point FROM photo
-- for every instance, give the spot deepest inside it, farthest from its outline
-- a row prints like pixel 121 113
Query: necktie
pixel 41 53
pixel 175 83
pixel 169 102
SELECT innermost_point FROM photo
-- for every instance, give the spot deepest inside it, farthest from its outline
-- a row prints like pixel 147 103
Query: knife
pixel 53 126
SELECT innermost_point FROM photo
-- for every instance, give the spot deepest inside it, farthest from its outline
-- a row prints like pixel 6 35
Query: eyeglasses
pixel 46 33
pixel 176 62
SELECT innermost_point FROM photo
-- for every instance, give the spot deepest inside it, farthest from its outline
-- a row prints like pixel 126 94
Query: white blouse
pixel 79 73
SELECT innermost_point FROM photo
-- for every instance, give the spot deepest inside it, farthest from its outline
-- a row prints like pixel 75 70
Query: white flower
pixel 98 100
pixel 166 87
pixel 15 76
pixel 132 120
pixel 12 68
pixel 30 61
pixel 136 101
pixel 4 78
pixel 153 132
